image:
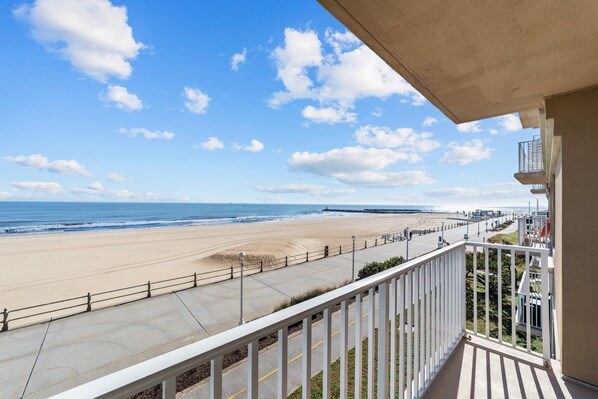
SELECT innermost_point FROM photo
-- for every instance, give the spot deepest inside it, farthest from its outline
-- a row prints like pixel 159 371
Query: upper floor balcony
pixel 400 332
pixel 538 189
pixel 531 165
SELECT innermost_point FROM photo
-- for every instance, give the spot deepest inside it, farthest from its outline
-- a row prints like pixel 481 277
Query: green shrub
pixel 376 267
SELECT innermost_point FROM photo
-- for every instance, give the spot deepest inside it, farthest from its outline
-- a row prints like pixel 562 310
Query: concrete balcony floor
pixel 531 177
pixel 484 369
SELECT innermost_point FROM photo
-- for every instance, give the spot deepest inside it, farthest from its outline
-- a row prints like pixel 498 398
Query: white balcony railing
pixel 533 230
pixel 422 304
pixel 530 156
pixel 535 295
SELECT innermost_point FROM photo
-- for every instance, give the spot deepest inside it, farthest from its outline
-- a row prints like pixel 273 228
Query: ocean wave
pixel 119 225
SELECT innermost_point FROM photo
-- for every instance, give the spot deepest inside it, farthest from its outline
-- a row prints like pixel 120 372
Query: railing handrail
pixel 135 378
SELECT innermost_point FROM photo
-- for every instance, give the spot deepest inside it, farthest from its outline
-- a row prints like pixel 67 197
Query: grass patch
pixel 314 292
pixel 507 239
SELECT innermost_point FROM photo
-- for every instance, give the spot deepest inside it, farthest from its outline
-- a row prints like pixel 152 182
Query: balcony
pixel 534 231
pixel 538 189
pixel 531 166
pixel 426 306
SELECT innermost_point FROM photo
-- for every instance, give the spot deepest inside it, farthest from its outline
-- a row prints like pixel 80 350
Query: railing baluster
pixel 499 272
pixel 528 300
pixel 475 290
pixel 416 331
pixel 402 336
pixel 358 346
pixel 216 378
pixel 344 372
pixel 283 334
pixel 434 331
pixel 371 347
pixel 409 331
pixel 252 369
pixel 428 321
pixel 422 329
pixel 545 307
pixel 306 364
pixel 393 337
pixel 169 388
pixel 451 301
pixel 513 293
pixel 382 341
pixel 327 354
pixel 487 293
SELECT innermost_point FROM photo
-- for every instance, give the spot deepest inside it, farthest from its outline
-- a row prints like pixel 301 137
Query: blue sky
pixel 227 102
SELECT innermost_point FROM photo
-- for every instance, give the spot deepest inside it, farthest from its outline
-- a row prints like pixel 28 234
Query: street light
pixel 443 232
pixel 478 227
pixel 241 321
pixel 486 226
pixel 467 233
pixel 407 237
pixel 353 262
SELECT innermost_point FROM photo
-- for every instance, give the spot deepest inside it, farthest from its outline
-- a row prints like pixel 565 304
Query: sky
pixel 261 102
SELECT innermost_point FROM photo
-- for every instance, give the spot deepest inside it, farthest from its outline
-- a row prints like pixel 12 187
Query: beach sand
pixel 42 268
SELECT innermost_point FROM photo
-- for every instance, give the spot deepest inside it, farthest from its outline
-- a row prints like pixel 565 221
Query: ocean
pixel 58 217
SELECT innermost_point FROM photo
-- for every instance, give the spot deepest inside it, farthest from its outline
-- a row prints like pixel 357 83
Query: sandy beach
pixel 42 268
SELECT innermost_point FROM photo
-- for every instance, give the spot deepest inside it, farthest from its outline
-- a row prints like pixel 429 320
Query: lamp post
pixel 486 226
pixel 478 227
pixel 407 239
pixel 467 232
pixel 442 234
pixel 241 321
pixel 353 262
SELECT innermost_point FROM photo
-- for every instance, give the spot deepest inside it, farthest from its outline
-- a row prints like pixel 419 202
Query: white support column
pixel 282 362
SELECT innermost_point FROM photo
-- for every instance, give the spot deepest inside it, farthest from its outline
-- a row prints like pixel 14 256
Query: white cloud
pixel 122 99
pixel 93 189
pixel 40 186
pixel 469 127
pixel 40 162
pixel 197 101
pixel 404 138
pixel 495 191
pixel 311 189
pixel 93 35
pixel 335 76
pixel 301 50
pixel 254 146
pixel 510 123
pixel 4 195
pixel 429 121
pixel 328 115
pixel 470 151
pixel 115 178
pixel 386 179
pixel 211 144
pixel 377 112
pixel 347 160
pixel 238 59
pixel 147 134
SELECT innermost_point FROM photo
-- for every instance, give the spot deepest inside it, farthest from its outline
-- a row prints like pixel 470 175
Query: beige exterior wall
pixel 557 234
pixel 576 231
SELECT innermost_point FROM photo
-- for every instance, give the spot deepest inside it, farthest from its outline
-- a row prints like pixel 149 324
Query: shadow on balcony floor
pixel 483 369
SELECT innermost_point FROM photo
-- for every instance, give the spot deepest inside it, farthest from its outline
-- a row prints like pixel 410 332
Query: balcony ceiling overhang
pixel 475 60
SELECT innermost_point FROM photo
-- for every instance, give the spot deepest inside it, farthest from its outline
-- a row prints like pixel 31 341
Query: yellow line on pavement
pixel 314 346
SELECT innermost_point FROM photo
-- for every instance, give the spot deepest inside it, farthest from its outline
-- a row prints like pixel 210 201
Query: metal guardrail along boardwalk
pixel 9 318
pixel 420 306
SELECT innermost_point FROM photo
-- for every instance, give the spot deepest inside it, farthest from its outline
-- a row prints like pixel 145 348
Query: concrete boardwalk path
pixel 48 358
